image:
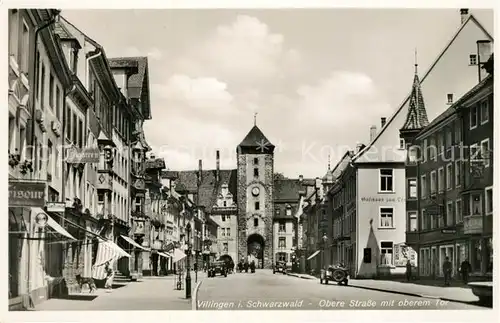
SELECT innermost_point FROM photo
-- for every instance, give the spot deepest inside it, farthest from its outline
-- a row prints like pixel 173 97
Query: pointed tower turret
pixel 416 119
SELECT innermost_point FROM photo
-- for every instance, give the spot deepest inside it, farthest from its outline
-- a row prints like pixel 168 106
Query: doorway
pixel 255 247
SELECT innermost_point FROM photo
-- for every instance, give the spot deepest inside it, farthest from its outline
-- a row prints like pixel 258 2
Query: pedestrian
pixel 109 276
pixel 447 268
pixel 408 270
pixel 465 269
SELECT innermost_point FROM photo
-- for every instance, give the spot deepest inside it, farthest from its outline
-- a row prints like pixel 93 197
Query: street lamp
pixel 188 274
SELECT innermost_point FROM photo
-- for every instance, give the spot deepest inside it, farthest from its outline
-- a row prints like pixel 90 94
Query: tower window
pixel 256 161
pixel 255 172
pixel 255 222
pixel 472 59
pixel 257 206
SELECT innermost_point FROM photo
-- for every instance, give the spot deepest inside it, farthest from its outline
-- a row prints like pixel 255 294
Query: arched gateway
pixel 255 248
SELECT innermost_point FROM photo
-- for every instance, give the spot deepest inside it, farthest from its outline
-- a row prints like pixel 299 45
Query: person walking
pixel 447 268
pixel 465 269
pixel 110 274
pixel 408 270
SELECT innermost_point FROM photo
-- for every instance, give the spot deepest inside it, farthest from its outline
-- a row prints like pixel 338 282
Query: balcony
pixel 473 224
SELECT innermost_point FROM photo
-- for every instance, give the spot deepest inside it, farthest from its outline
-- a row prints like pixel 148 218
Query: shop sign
pixel 382 199
pixel 83 155
pixel 55 206
pixel 452 231
pixel 27 193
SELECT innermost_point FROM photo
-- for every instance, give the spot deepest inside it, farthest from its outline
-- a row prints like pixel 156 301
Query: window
pixel 224 203
pixel 425 151
pixel 458 211
pixel 13 32
pixel 412 221
pixel 255 172
pixel 475 204
pixel 412 188
pixel 412 154
pixel 449 213
pixel 256 161
pixel 386 250
pixel 423 185
pixel 485 152
pixel 448 141
pixel 433 182
pixel 281 256
pixel 449 98
pixel 25 49
pixel 255 222
pixel 282 226
pixel 80 133
pixel 228 232
pixel 257 206
pixel 277 211
pixel 401 143
pixel 225 247
pixel 432 148
pixel 449 176
pixel 473 117
pixel 440 143
pixel 223 232
pixel 489 200
pixel 474 154
pixel 457 173
pixel 42 86
pixel 424 220
pixel 223 218
pixel 282 243
pixel 386 180
pixel 386 217
pixel 51 91
pixel 472 59
pixel 441 179
pixel 75 129
pixel 288 211
pixel 58 103
pixel 50 164
pixel 485 112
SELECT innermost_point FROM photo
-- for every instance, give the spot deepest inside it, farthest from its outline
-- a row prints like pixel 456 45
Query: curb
pixel 194 298
pixel 299 276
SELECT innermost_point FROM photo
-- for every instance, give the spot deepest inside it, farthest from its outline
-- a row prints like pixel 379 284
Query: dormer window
pixel 449 98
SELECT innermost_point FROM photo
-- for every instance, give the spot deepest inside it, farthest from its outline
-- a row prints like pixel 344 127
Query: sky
pixel 313 80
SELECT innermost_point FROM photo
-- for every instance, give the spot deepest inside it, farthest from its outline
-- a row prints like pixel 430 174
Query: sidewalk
pixel 149 293
pixel 427 289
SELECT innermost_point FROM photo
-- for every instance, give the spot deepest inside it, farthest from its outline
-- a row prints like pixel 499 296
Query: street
pixel 267 291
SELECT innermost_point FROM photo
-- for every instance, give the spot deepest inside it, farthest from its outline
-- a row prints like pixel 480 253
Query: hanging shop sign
pixel 55 206
pixel 83 155
pixel 27 193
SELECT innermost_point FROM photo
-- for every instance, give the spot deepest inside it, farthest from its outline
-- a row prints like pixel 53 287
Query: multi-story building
pixel 382 161
pixel 450 215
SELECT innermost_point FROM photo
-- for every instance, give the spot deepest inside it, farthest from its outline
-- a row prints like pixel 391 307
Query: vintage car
pixel 217 267
pixel 279 267
pixel 337 273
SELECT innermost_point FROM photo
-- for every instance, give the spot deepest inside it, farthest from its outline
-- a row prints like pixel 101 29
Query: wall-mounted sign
pixel 26 193
pixel 83 155
pixel 451 231
pixel 55 206
pixel 383 199
pixel 41 220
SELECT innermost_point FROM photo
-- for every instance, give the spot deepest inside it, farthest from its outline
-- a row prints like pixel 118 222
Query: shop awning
pixel 178 254
pixel 135 244
pixel 313 255
pixel 35 211
pixel 119 250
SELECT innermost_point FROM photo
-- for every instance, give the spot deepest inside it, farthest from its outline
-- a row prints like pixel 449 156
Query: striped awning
pixel 313 255
pixel 132 242
pixel 178 254
pixel 35 211
pixel 106 251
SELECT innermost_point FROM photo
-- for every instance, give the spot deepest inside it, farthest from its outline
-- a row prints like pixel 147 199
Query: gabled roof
pixel 256 139
pixel 471 18
pixel 417 115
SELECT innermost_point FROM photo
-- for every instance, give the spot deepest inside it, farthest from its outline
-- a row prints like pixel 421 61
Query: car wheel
pixel 346 282
pixel 326 281
pixel 274 272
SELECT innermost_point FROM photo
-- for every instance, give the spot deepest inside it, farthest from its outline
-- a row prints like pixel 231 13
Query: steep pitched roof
pixel 135 81
pixel 256 139
pixel 417 115
pixel 286 190
pixel 472 19
pixel 209 187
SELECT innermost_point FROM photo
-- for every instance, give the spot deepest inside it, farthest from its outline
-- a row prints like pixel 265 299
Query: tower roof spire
pixel 328 162
pixel 417 114
pixel 255 118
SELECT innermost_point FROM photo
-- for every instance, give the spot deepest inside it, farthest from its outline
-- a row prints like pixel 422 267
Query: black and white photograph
pixel 235 159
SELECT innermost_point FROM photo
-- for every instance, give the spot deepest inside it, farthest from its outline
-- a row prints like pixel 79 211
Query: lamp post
pixel 188 265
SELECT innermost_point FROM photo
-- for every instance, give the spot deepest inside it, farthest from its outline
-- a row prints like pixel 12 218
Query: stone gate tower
pixel 255 198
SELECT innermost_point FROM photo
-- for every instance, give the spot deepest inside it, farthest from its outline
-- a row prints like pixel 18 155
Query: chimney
pixel 301 178
pixel 217 165
pixel 382 122
pixel 483 54
pixel 358 148
pixel 464 14
pixel 200 172
pixel 373 132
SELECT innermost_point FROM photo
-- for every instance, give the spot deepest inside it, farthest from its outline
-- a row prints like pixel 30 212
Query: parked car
pixel 217 267
pixel 279 267
pixel 336 273
pixel 229 264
